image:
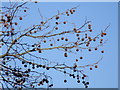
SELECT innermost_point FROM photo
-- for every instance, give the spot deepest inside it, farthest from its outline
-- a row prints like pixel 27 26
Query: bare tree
pixel 21 58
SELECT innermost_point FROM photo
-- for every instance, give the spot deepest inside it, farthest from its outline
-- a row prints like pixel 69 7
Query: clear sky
pixel 101 15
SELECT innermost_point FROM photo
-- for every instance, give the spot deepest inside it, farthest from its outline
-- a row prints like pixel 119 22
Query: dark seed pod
pixel 82 77
pixel 78 81
pixel 65 54
pixel 57 17
pixel 65 81
pixel 29 70
pixel 83 82
pixel 64 71
pixel 47 68
pixel 23 62
pixel 43 66
pixel 81 57
pixel 87 83
pixel 25 65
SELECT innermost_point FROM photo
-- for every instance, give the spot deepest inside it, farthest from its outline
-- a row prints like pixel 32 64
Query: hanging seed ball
pixel 73 76
pixel 11 23
pixel 94 39
pixel 87 83
pixel 47 68
pixel 24 10
pixel 6 15
pixel 42 22
pixel 76 60
pixel 76 43
pixel 96 66
pixel 101 39
pixel 56 28
pixel 64 22
pixel 82 39
pixel 41 82
pixel 82 77
pixel 2 45
pixel 12 29
pixel 86 86
pixel 102 51
pixel 35 31
pixel 89 26
pixel 85 75
pixel 43 66
pixel 78 31
pixel 51 84
pixel 44 41
pixel 66 12
pixel 58 39
pixel 65 49
pixel 62 38
pixel 101 35
pixel 35 2
pixel 5 25
pixel 51 44
pixel 90 30
pixel 23 62
pixel 77 50
pixel 75 29
pixel 31 85
pixel 96 48
pixel 75 70
pixel 75 66
pixel 104 34
pixel 8 79
pixel 25 65
pixel 73 10
pixel 78 81
pixel 90 68
pixel 87 44
pixel 65 81
pixel 89 38
pixel 40 51
pixel 38 84
pixel 70 75
pixel 66 39
pixel 77 34
pixel 77 75
pixel 33 45
pixel 89 49
pixel 65 54
pixel 29 70
pixel 78 38
pixel 57 17
pixel 64 71
pixel 20 18
pixel 16 23
pixel 81 57
pixel 30 62
pixel 56 23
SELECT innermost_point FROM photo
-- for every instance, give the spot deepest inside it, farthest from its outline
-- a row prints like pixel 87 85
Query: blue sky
pixel 101 14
